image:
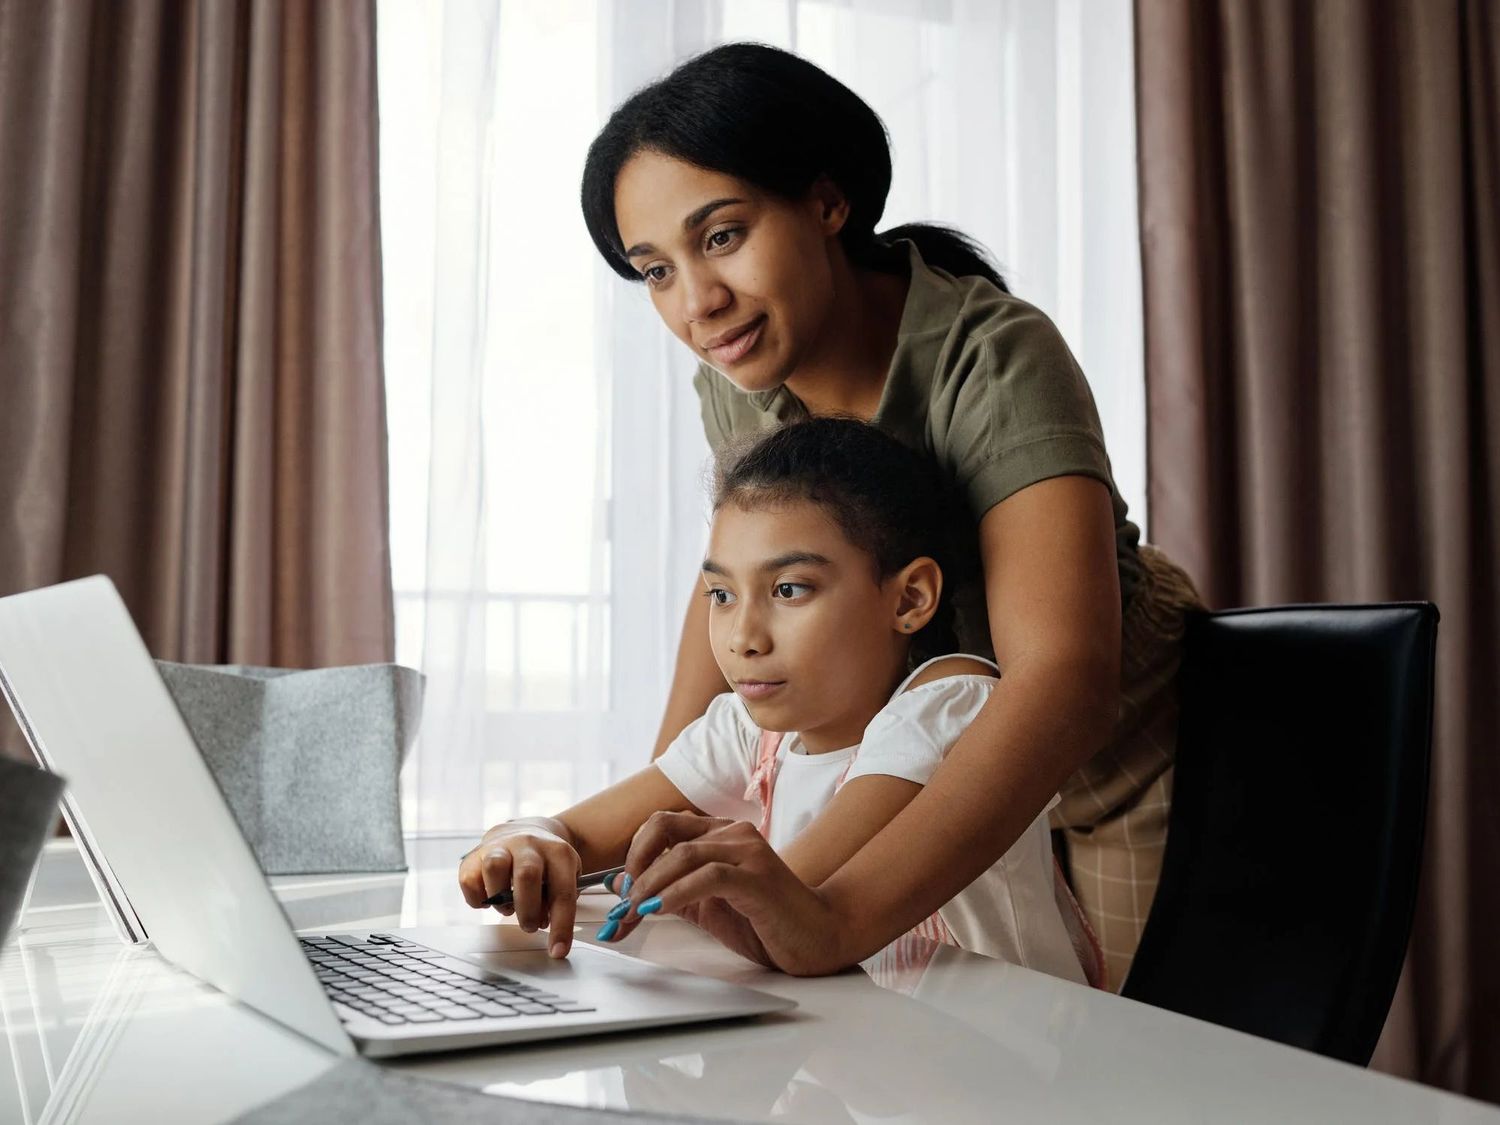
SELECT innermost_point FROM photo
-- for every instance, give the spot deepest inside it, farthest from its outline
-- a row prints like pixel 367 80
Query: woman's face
pixel 795 605
pixel 741 277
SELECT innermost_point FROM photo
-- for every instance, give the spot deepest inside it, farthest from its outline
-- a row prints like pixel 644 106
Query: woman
pixel 743 190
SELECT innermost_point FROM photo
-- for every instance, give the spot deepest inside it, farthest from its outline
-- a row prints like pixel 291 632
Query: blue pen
pixel 506 898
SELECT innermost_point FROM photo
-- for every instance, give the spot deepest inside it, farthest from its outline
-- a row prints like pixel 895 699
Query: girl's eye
pixel 781 587
pixel 714 592
pixel 655 275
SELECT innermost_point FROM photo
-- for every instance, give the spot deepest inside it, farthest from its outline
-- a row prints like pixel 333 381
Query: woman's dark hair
pixel 774 120
pixel 888 500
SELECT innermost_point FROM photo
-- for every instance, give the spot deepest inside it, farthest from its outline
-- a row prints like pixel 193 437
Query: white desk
pixel 97 1032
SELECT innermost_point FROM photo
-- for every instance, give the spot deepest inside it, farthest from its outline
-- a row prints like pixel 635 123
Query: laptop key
pixel 484 1008
pixel 454 1012
pixel 423 1017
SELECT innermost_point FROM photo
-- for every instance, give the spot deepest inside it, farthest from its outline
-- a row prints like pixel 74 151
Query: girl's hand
pixel 722 875
pixel 520 857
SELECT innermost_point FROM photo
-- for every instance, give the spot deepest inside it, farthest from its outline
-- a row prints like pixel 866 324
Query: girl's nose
pixel 748 636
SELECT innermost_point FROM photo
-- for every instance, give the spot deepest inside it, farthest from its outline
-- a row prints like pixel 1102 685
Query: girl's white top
pixel 1009 912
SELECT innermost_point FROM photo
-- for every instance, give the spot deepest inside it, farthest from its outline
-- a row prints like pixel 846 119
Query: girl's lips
pixel 736 349
pixel 758 691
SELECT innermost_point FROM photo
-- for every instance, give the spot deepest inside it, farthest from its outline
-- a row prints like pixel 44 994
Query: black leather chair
pixel 1295 837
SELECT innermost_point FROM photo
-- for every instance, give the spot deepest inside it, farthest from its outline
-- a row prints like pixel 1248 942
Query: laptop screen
pixel 89 696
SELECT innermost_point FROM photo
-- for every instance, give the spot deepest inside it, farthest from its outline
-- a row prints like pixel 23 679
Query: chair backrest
pixel 1295 838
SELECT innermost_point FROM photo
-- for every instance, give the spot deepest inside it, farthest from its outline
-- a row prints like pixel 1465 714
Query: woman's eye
pixel 726 235
pixel 783 588
pixel 655 275
pixel 713 595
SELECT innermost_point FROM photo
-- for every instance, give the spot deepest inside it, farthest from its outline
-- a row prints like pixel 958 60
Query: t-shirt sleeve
pixel 712 759
pixel 715 424
pixel 909 736
pixel 913 733
pixel 1021 410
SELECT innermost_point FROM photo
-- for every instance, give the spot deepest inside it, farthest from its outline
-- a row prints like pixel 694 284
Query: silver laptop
pixel 151 818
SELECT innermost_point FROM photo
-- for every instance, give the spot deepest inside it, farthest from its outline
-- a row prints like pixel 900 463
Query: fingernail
pixel 625 885
pixel 621 909
pixel 609 883
pixel 607 931
pixel 650 906
pixel 558 950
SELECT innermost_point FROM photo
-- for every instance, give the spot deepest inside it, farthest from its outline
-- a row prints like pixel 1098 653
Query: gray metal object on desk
pixel 309 761
pixel 28 810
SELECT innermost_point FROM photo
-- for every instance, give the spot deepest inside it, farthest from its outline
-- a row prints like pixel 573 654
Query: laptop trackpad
pixel 462 940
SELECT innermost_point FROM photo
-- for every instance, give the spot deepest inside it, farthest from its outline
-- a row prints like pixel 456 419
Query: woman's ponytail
pixel 948 249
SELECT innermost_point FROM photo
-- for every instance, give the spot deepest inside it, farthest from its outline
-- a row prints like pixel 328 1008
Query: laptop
pixel 172 861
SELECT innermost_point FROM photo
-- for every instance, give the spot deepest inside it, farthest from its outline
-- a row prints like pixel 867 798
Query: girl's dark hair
pixel 774 120
pixel 889 501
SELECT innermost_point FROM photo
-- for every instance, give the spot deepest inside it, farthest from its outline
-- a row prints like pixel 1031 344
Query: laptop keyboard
pixel 400 982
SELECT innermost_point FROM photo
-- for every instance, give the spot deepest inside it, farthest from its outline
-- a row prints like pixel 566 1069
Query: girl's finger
pixel 527 872
pixel 562 900
pixel 494 871
pixel 471 879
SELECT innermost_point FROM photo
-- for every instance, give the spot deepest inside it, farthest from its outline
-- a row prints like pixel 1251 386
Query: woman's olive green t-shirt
pixel 982 382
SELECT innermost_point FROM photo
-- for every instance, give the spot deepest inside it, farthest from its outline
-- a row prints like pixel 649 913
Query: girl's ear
pixel 919 586
pixel 833 205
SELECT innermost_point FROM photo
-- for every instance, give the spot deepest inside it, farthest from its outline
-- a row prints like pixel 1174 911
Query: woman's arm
pixel 866 804
pixel 1053 590
pixel 697 678
pixel 1052 586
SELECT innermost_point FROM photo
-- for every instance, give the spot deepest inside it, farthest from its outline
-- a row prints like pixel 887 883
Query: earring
pixel 907 627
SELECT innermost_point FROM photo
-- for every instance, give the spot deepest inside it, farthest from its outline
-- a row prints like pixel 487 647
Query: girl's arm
pixel 521 855
pixel 696 679
pixel 601 827
pixel 1052 586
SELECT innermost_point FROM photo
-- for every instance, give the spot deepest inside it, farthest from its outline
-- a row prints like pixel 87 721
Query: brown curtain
pixel 1320 223
pixel 191 395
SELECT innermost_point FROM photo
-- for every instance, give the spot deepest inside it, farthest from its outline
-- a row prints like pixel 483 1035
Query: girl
pixel 825 584
pixel 743 190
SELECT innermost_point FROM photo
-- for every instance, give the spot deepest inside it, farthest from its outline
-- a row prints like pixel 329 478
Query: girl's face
pixel 801 626
pixel 741 277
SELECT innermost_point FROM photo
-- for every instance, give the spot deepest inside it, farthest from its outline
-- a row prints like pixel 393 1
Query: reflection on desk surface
pixel 940 1035
pixel 98 1032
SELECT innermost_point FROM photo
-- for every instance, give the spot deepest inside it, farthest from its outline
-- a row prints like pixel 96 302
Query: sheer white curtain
pixel 546 452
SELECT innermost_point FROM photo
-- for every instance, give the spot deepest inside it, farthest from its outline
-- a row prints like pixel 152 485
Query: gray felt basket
pixel 309 761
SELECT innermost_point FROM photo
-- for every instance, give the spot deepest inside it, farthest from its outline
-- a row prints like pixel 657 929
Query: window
pixel 544 543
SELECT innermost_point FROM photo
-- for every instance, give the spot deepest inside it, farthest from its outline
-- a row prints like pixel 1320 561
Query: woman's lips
pixel 736 349
pixel 758 690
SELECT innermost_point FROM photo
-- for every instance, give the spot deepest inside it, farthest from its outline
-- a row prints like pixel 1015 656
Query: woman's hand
pixel 723 876
pixel 520 857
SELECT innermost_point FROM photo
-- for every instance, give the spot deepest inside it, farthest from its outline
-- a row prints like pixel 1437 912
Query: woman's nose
pixel 704 294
